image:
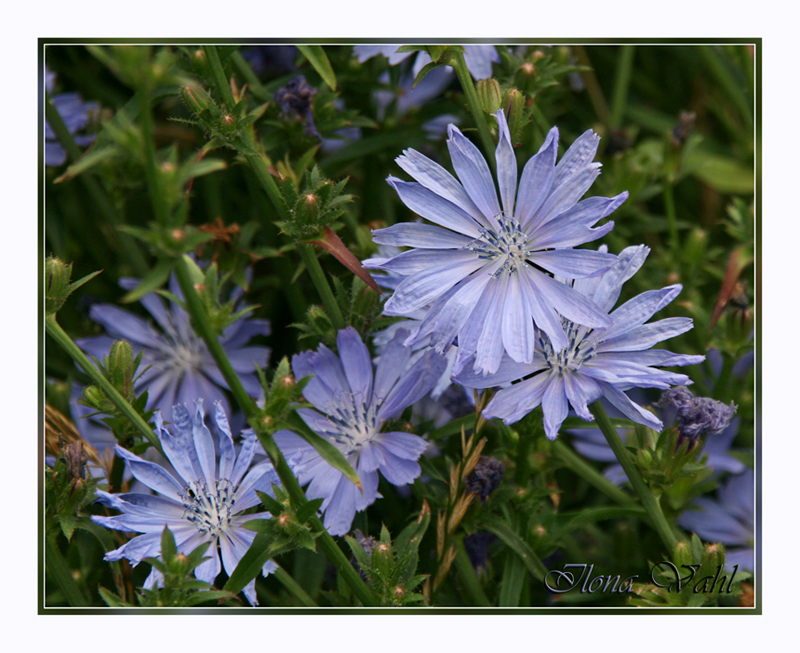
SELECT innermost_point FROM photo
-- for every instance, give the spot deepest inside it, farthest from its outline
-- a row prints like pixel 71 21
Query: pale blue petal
pixel 543 312
pixel 436 179
pixel 506 165
pixel 356 362
pixel 537 179
pixel 581 391
pixel 638 310
pixel 227 452
pixel 512 404
pixel 421 289
pixel 490 345
pixel 573 263
pixel 577 158
pixel 517 330
pixel 571 304
pixel 606 291
pixel 153 476
pixel 414 384
pixel 425 236
pixel 122 325
pixel 479 60
pixel 474 174
pixel 393 361
pixel 554 406
pixel 630 409
pixel 508 371
pixel 417 261
pixel 397 470
pixel 566 195
pixel 573 227
pixel 435 208
pixel 458 309
pixel 403 445
pixel 647 335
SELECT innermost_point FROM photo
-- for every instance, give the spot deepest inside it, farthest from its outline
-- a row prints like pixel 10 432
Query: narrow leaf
pixel 152 281
pixel 517 544
pixel 333 244
pixel 317 58
pixel 323 447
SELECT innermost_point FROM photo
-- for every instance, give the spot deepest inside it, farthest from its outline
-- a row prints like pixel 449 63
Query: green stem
pixel 621 84
pixel 468 87
pixel 596 96
pixel 591 475
pixel 59 571
pixel 124 244
pixel 648 499
pixel 59 335
pixel 202 325
pixel 669 208
pixel 321 284
pixel 152 172
pixel 471 581
pixel 294 587
pixel 268 183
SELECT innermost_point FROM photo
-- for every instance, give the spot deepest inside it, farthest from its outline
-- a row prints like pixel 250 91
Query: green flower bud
pixel 682 554
pixel 489 95
pixel 382 560
pixel 95 398
pixel 694 250
pixel 121 368
pixel 57 287
pixel 196 99
pixel 514 101
pixel 715 554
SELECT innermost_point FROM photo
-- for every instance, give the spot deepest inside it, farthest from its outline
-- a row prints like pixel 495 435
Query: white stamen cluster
pixel 509 243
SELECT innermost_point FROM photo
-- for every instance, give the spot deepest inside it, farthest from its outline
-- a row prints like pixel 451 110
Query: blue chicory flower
pixel 76 115
pixel 201 505
pixel 597 363
pixel 729 520
pixel 351 404
pixel 478 269
pixel 479 58
pixel 181 367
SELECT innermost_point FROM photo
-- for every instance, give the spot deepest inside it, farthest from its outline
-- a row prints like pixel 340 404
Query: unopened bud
pixel 177 235
pixel 514 101
pixel 94 398
pixel 121 368
pixel 399 592
pixel 528 68
pixel 195 98
pixel 682 554
pixel 715 554
pixel 57 278
pixel 489 95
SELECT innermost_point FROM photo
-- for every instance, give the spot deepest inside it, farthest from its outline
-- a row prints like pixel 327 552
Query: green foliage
pixel 318 205
pixel 57 283
pixel 180 588
pixel 68 490
pixel 390 567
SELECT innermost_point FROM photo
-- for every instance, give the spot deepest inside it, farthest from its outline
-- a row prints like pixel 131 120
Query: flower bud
pixel 382 560
pixel 196 99
pixel 489 95
pixel 95 398
pixel 485 478
pixel 57 277
pixel 715 554
pixel 121 368
pixel 514 101
pixel 682 554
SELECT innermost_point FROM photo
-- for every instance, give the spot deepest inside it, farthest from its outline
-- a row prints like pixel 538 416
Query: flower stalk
pixel 646 496
pixel 202 326
pixel 58 334
pixel 465 79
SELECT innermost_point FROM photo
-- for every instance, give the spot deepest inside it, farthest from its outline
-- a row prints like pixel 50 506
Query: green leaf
pixel 511 585
pixel 111 599
pixel 152 281
pixel 317 58
pixel 200 168
pixel 89 160
pixel 323 447
pixel 272 505
pixel 722 173
pixel 251 563
pixel 305 512
pixel 211 595
pixel 517 544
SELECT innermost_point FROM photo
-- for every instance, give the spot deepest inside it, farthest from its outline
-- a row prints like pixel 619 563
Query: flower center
pixel 356 421
pixel 509 244
pixel 184 356
pixel 209 511
pixel 579 350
